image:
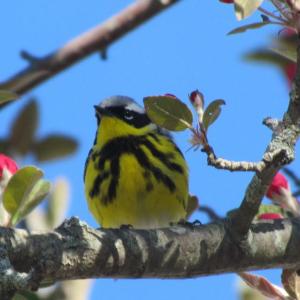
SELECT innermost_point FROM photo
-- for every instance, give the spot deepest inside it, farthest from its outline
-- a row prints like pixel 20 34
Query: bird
pixel 134 175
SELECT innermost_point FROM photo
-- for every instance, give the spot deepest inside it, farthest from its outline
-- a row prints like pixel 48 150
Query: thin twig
pixel 281 9
pixel 95 40
pixel 221 163
pixel 210 212
pixel 201 139
pixel 267 13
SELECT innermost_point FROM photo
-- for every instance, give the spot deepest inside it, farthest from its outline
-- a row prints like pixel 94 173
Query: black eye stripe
pixel 128 115
pixel 131 117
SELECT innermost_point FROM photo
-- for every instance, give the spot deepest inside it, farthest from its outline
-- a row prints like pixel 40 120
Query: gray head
pixel 122 101
pixel 124 108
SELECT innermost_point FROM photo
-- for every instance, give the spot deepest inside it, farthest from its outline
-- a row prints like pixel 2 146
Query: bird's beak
pixel 100 111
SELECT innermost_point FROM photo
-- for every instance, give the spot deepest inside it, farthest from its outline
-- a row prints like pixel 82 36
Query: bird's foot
pixel 191 225
pixel 126 226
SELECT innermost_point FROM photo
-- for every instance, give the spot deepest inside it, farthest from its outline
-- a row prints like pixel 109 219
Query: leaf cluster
pixel 22 138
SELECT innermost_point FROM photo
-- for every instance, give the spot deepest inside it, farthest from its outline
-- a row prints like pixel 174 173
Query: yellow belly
pixel 141 200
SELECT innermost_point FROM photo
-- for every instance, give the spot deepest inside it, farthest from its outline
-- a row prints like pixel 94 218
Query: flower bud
pixel 280 193
pixel 170 95
pixel 269 216
pixel 7 166
pixel 197 99
pixel 279 182
pixel 227 1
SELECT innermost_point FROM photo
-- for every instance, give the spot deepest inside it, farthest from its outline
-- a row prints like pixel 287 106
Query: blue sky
pixel 182 49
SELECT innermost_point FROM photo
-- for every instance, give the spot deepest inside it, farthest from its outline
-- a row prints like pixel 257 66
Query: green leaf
pixel 267 56
pixel 248 26
pixel 6 96
pixel 244 8
pixel 168 112
pixel 286 47
pixel 24 191
pixel 18 186
pixel 54 146
pixel 212 112
pixel 24 128
pixel 287 52
pixel 39 191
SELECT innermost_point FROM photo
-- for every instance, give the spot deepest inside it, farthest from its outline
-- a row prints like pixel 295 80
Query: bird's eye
pixel 128 115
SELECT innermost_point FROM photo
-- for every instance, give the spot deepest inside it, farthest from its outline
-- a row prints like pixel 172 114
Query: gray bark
pixel 75 250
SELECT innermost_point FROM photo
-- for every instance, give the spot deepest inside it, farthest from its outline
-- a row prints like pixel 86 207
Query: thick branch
pixel 75 250
pixel 98 38
pixel 279 152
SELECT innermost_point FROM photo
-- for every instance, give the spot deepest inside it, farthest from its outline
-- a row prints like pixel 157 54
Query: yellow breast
pixel 139 180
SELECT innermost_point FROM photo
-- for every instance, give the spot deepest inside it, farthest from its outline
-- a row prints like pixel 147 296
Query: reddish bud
pixel 279 182
pixel 170 95
pixel 227 1
pixel 290 72
pixel 270 216
pixel 280 193
pixel 8 164
pixel 197 99
pixel 288 32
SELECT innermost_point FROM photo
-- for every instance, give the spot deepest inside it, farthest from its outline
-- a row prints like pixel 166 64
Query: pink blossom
pixel 279 182
pixel 280 193
pixel 269 216
pixel 7 165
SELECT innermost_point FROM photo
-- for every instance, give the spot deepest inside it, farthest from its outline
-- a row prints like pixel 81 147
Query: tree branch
pixel 97 39
pixel 279 152
pixel 233 166
pixel 200 138
pixel 212 215
pixel 75 250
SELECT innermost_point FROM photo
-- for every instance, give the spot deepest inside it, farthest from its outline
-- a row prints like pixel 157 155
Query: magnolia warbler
pixel 134 174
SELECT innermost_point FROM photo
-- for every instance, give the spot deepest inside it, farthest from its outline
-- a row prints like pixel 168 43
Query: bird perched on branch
pixel 134 175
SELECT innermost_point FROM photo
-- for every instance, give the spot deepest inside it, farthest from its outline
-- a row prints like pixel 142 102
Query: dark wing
pixel 168 135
